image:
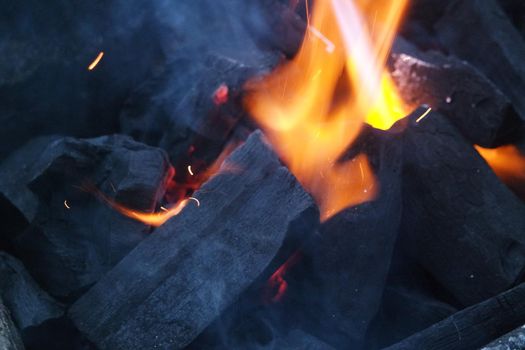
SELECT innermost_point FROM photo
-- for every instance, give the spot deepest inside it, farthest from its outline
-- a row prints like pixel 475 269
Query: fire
pixel 152 219
pixel 312 108
pixel 158 218
pixel 508 163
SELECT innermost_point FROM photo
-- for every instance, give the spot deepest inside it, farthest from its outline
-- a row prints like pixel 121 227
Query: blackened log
pixel 480 32
pixel 514 340
pixel 9 337
pixel 74 238
pixel 460 223
pixel 472 327
pixel 456 89
pixel 337 288
pixel 178 280
pixel 29 305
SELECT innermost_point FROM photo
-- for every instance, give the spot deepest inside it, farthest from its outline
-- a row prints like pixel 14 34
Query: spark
pixel 190 171
pixel 196 200
pixel 66 205
pixel 424 115
pixel 163 208
pixel 113 187
pixel 330 47
pixel 96 61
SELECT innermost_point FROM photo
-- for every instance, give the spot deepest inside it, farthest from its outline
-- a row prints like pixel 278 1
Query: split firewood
pixel 472 327
pixel 457 213
pixel 166 291
pixel 479 31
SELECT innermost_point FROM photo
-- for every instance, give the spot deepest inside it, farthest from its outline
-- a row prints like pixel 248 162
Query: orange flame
pixel 508 163
pixel 158 218
pixel 312 108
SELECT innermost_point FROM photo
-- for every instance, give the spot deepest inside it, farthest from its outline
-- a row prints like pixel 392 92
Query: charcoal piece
pixel 45 53
pixel 190 110
pixel 284 28
pixel 57 334
pixel 472 327
pixel 74 237
pixel 514 340
pixel 299 340
pixel 16 172
pixel 29 305
pixel 9 337
pixel 337 288
pixel 460 223
pixel 412 301
pixel 515 9
pixel 178 280
pixel 481 33
pixel 404 312
pixel 456 89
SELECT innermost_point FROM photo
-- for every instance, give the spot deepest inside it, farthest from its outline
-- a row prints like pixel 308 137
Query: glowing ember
pixel 66 205
pixel 313 107
pixel 220 96
pixel 159 218
pixel 277 285
pixel 508 163
pixel 96 61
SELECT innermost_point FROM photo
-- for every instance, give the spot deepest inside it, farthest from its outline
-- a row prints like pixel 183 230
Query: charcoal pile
pixel 146 204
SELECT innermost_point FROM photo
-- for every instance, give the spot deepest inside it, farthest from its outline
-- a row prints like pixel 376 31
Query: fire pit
pixel 272 174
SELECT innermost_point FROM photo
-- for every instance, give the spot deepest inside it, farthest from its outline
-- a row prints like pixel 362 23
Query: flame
pixel 508 163
pixel 158 218
pixel 312 108
pixel 152 219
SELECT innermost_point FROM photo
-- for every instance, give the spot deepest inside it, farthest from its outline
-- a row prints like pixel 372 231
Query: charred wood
pixel 29 305
pixel 74 238
pixel 472 327
pixel 479 31
pixel 456 89
pixel 456 213
pixel 9 337
pixel 352 251
pixel 177 281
